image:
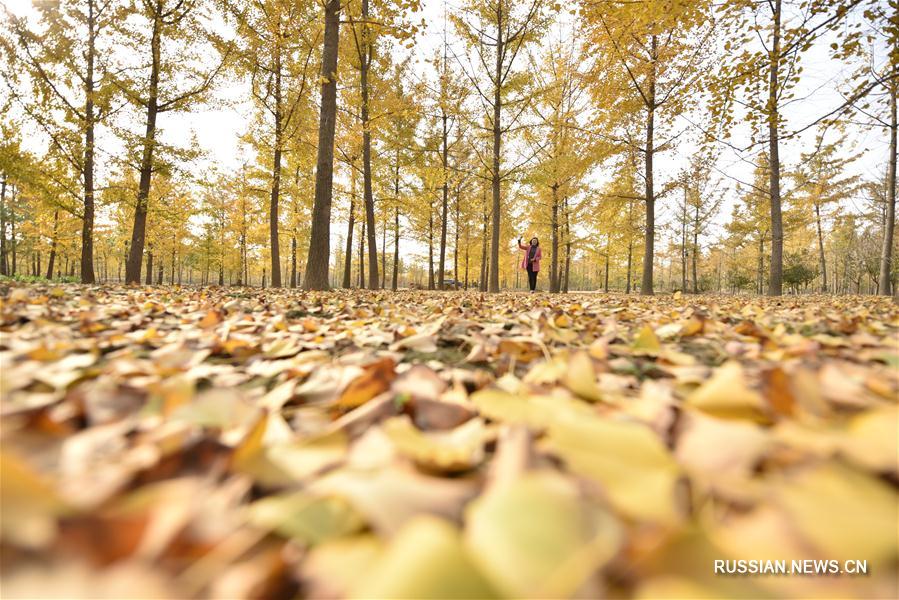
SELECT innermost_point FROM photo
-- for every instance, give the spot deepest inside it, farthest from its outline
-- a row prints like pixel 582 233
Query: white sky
pixel 216 129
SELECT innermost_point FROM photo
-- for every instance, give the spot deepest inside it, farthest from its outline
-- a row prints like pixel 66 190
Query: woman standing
pixel 531 261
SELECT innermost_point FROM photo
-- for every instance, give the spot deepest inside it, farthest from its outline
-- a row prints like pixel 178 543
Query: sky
pixel 217 128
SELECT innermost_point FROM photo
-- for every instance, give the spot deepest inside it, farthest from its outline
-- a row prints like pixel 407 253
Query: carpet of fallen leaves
pixel 222 443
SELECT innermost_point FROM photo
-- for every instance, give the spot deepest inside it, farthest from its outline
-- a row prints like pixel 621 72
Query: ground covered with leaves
pixel 228 443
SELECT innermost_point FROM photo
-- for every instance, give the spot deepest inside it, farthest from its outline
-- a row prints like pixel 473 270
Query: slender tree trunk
pixel 362 257
pixel 497 140
pixel 683 245
pixel 886 253
pixel 348 259
pixel 87 224
pixel 649 242
pixel 12 230
pixel 630 265
pixel 149 265
pixel 760 275
pixel 695 256
pixel 431 247
pixel 466 255
pixel 775 281
pixel 567 246
pixel 554 229
pixel 821 259
pixel 274 242
pixel 482 285
pixel 444 207
pixel 383 273
pixel 456 238
pixel 365 65
pixel 138 232
pixel 605 285
pixel 318 257
pixel 53 244
pixel 396 242
pixel 4 270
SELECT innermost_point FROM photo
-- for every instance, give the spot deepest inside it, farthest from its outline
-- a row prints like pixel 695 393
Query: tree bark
pixel 886 253
pixel 431 247
pixel 683 244
pixel 362 257
pixel 565 281
pixel 482 285
pixel 383 274
pixel 319 238
pixel 695 256
pixel 348 258
pixel 138 232
pixel 444 207
pixel 649 242
pixel 274 242
pixel 396 243
pixel 821 259
pixel 365 64
pixel 53 244
pixel 3 264
pixel 554 229
pixel 87 224
pixel 497 140
pixel 775 281
pixel 456 239
pixel 149 265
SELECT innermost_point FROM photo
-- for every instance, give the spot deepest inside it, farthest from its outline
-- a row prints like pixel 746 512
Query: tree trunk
pixel 683 245
pixel 466 255
pixel 149 266
pixel 53 245
pixel 348 259
pixel 497 139
pixel 695 256
pixel 821 259
pixel 365 64
pixel 482 285
pixel 319 238
pixel 274 242
pixel 886 253
pixel 87 224
pixel 630 265
pixel 3 265
pixel 431 247
pixel 649 242
pixel 605 284
pixel 383 274
pixel 775 282
pixel 565 281
pixel 444 207
pixel 396 243
pixel 456 238
pixel 362 257
pixel 138 232
pixel 554 230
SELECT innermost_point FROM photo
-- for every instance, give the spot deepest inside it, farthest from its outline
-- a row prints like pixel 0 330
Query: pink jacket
pixel 524 259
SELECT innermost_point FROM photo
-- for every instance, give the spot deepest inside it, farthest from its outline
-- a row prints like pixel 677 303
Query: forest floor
pixel 245 443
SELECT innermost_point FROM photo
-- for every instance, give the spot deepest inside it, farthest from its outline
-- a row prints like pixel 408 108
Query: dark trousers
pixel 532 277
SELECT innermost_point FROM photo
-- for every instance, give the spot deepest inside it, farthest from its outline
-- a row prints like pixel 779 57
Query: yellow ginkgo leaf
pixel 637 472
pixel 844 513
pixel 726 394
pixel 536 538
pixel 425 559
pixel 647 342
pixel 458 449
pixel 580 377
